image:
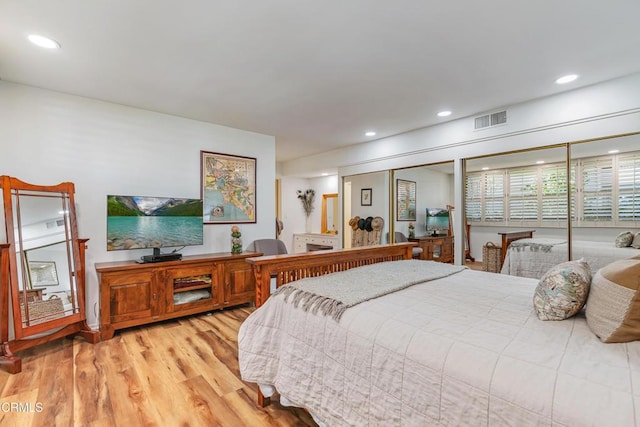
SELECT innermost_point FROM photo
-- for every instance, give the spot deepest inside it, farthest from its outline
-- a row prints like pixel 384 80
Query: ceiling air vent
pixel 55 224
pixel 489 120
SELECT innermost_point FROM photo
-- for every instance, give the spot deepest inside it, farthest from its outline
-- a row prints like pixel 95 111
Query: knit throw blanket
pixel 332 294
pixel 537 245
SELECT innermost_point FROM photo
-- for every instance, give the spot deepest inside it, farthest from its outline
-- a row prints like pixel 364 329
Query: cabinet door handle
pixel 155 296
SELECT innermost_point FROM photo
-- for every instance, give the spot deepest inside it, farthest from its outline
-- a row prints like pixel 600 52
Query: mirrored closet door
pixel 522 194
pixel 605 198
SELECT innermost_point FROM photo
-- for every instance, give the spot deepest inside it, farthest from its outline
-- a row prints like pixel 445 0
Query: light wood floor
pixel 177 373
pixel 475 265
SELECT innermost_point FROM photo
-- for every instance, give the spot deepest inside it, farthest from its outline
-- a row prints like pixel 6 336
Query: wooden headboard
pixel 290 267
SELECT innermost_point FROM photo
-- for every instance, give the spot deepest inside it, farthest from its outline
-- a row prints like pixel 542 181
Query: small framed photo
pixel 365 197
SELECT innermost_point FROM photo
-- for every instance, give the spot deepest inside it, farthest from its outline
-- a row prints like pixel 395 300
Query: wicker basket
pixel 491 257
pixel 43 310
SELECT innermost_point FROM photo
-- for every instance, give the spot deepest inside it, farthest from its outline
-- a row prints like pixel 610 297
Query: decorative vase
pixel 307 224
pixel 236 240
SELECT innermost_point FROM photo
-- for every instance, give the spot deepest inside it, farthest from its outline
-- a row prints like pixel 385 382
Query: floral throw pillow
pixel 624 239
pixel 562 291
pixel 636 241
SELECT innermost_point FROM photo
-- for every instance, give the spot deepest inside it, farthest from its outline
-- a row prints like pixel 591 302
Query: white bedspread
pixel 462 350
pixel 524 262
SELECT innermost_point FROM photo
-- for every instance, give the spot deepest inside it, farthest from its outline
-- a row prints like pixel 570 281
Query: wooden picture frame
pixel 405 200
pixel 43 274
pixel 228 188
pixel 365 196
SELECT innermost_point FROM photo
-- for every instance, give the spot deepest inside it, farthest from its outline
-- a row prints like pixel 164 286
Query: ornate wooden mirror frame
pixel 26 204
pixel 329 213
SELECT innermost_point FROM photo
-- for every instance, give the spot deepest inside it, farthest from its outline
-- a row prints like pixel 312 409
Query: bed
pixel 533 257
pixel 463 349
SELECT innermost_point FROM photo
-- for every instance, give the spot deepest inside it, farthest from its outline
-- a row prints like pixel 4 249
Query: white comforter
pixel 463 350
pixel 534 263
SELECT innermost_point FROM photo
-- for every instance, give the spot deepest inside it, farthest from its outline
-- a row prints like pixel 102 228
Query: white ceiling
pixel 318 74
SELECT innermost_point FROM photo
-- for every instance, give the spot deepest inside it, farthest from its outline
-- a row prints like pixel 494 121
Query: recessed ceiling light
pixel 539 162
pixel 325 174
pixel 43 41
pixel 566 79
pixel 444 113
pixel 486 168
pixel 613 151
pixel 370 133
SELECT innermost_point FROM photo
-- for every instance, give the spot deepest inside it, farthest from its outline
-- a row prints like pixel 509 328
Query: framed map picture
pixel 405 200
pixel 228 188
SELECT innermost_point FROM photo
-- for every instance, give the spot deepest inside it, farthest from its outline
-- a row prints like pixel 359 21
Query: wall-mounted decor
pixel 365 197
pixel 228 188
pixel 405 200
pixel 43 273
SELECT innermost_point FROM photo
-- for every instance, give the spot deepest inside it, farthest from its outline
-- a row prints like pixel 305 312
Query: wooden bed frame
pixel 290 267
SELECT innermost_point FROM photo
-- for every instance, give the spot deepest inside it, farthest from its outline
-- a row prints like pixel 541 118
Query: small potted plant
pixel 412 231
pixel 236 240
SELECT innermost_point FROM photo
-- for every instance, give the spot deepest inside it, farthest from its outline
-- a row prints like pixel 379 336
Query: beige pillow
pixel 613 308
pixel 562 291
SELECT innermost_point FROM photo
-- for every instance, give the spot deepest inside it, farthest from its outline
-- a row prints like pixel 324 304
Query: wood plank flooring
pixel 176 373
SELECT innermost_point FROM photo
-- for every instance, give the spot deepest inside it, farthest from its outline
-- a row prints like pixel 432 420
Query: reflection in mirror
pixel 378 205
pixel 429 224
pixel 509 196
pixel 434 190
pixel 605 197
pixel 42 237
pixel 42 274
pixel 329 213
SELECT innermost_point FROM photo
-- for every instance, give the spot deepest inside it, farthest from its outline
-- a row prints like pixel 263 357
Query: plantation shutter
pixel 473 197
pixel 629 188
pixel 494 196
pixel 523 195
pixel 554 193
pixel 597 189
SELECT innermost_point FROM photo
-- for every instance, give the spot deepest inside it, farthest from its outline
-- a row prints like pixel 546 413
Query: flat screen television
pixel 437 221
pixel 142 222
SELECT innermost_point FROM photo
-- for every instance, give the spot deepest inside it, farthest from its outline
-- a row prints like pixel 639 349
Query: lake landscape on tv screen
pixel 437 219
pixel 139 222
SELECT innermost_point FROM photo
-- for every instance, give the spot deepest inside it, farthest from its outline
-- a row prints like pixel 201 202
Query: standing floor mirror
pixel 44 296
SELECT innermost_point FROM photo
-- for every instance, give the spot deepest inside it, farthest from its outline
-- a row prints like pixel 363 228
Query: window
pixel 554 194
pixel 494 196
pixel 606 193
pixel 597 190
pixel 628 189
pixel 523 195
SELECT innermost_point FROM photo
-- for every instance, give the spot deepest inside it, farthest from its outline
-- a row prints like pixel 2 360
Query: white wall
pixel 48 137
